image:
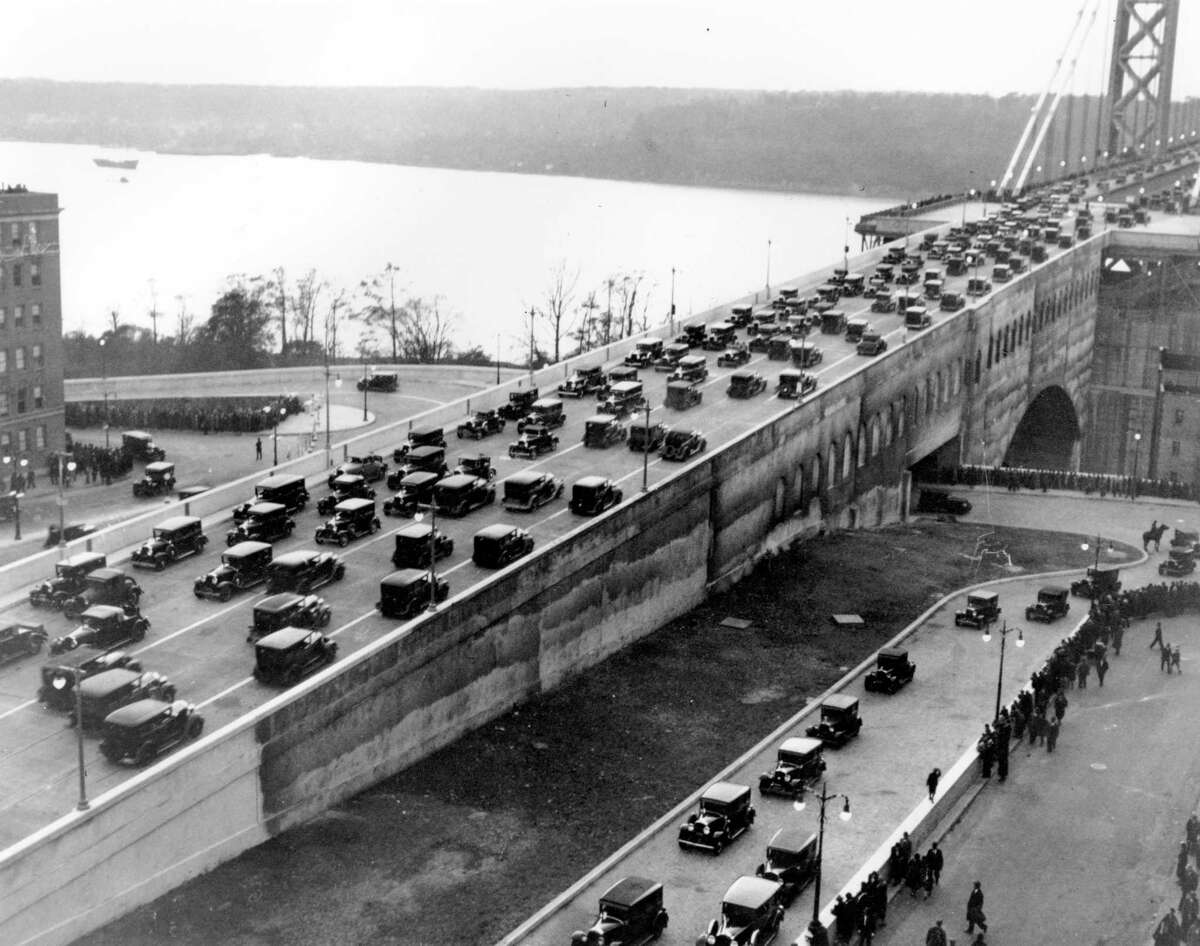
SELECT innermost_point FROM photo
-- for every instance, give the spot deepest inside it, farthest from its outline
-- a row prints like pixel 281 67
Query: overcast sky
pixel 941 45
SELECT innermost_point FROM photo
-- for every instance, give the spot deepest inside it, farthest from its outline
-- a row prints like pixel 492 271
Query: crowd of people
pixel 93 464
pixel 1102 484
pixel 205 414
pixel 1181 926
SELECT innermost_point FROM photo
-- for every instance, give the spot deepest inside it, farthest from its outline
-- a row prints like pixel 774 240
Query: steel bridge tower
pixel 1140 72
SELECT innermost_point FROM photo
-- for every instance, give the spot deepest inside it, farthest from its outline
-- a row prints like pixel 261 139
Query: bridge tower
pixel 1140 73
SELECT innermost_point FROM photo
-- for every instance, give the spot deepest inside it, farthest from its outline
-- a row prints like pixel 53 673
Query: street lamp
pixel 1137 446
pixel 275 416
pixel 987 636
pixel 1085 547
pixel 60 681
pixel 497 359
pixel 364 386
pixel 104 386
pixel 671 314
pixel 64 469
pixel 844 814
pixel 768 270
pixel 846 246
pixel 17 482
pixel 418 516
pixel 646 452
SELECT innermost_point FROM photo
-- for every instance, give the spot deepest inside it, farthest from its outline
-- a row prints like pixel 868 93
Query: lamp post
pixel 844 814
pixel 1137 446
pixel 768 299
pixel 364 386
pixel 64 469
pixel 1096 545
pixel 1004 632
pixel 671 314
pixel 104 386
pixel 497 359
pixel 432 508
pixel 60 681
pixel 646 452
pixel 17 482
pixel 846 246
pixel 270 411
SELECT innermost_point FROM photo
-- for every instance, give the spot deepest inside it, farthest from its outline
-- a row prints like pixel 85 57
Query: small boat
pixel 127 164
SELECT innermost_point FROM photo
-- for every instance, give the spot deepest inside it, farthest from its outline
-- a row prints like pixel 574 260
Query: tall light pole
pixel 104 386
pixel 1004 632
pixel 846 246
pixel 824 798
pixel 768 271
pixel 17 482
pixel 275 415
pixel 671 314
pixel 497 359
pixel 432 508
pixel 364 367
pixel 64 469
pixel 646 452
pixel 1137 446
pixel 1096 561
pixel 60 681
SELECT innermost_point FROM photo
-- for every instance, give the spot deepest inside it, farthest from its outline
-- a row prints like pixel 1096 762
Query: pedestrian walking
pixel 1101 670
pixel 975 914
pixel 933 863
pixel 987 750
pixel 931 782
pixel 877 897
pixel 1118 635
pixel 1158 641
pixel 1002 759
pixel 843 919
pixel 914 879
pixel 1164 659
pixel 1175 658
pixel 1082 669
pixel 1181 862
pixel 31 478
pixel 1037 732
pixel 926 876
pixel 936 935
pixel 258 449
pixel 1168 931
pixel 1193 834
pixel 1060 705
pixel 867 925
pixel 1052 727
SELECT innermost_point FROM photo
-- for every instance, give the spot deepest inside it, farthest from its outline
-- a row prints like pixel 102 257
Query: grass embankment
pixel 464 845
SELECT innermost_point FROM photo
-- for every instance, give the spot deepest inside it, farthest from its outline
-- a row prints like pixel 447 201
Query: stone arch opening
pixel 1047 434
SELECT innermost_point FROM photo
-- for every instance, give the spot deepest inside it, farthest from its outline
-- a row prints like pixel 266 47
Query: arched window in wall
pixel 876 434
pixel 847 457
pixel 831 475
pixel 863 444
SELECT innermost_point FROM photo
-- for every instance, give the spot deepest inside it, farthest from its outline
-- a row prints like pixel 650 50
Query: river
pixel 486 243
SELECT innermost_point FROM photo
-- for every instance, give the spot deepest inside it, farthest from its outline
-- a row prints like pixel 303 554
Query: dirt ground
pixel 461 847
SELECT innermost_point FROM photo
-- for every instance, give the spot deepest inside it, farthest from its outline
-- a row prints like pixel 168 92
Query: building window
pixel 36 355
pixel 6 437
pixel 16 274
pixel 18 316
pixel 38 401
pixel 1174 448
pixel 22 440
pixel 3 317
pixel 19 359
pixel 3 360
pixel 31 229
pixel 1179 415
pixel 3 413
pixel 14 234
pixel 39 437
pixel 22 400
pixel 35 274
pixel 35 313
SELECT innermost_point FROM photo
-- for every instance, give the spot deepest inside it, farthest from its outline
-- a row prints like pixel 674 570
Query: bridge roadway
pixel 201 645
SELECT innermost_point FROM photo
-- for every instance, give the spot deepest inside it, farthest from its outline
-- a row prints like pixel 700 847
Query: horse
pixel 1153 534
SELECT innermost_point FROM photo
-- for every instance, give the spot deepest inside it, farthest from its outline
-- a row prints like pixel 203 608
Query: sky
pixel 926 45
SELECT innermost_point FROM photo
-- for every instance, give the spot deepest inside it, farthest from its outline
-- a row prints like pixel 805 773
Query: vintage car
pixel 285 489
pixel 951 302
pixel 351 519
pixel 424 459
pixel 872 344
pixel 242 566
pixel 103 693
pixel 761 341
pixel 622 398
pixel 421 437
pixel 691 368
pixel 791 861
pixel 892 670
pixel 479 465
pixel 413 545
pixel 933 289
pixel 592 495
pixel 682 395
pixel 668 361
pixel 170 541
pixel 458 495
pixel 734 356
pixel 840 721
pixel 779 348
pixel 383 383
pixel 57 690
pixel 725 814
pixel 56 535
pixel 345 486
pixel 412 492
pixel 104 586
pixel 545 412
pixel 499 545
pixel 481 424
pixel 1097 583
pixel 905 300
pixel 70 576
pixel 917 317
pixel 646 438
pixel 290 653
pixel 804 354
pixel 795 384
pixel 645 353
pixel 616 376
pixel 139 445
pixel 603 430
pixel 740 315
pixel 527 490
pixel 855 330
pixel 1185 540
pixel 518 404
pixel 746 384
pixel 940 502
pixel 1179 563
pixel 405 593
pixel 763 322
pixel 21 640
pixel 157 479
pixel 1051 604
pixel 631 913
pixel 983 607
pixel 833 322
pixel 264 522
pixel 103 626
pixel 140 732
pixel 694 334
pixel 583 381
pixel 798 762
pixel 719 336
pixel 977 286
pixel 288 609
pixel 680 444
pixel 303 571
pixel 371 468
pixel 533 442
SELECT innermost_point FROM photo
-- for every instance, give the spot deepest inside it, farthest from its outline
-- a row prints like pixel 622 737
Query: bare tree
pixel 276 288
pixel 337 303
pixel 303 301
pixel 183 322
pixel 559 294
pixel 381 310
pixel 426 330
pixel 634 304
